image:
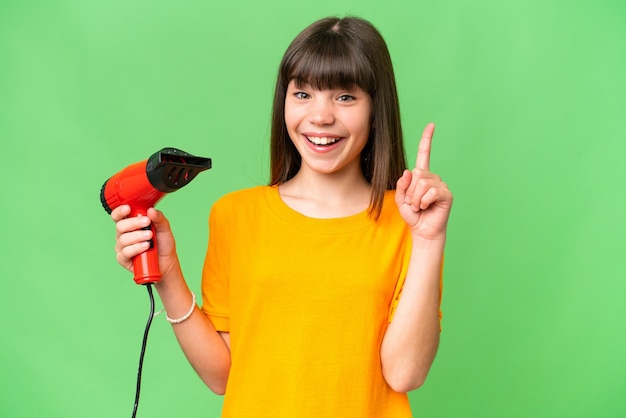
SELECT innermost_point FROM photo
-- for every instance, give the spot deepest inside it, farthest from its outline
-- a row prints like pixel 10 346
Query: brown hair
pixel 343 53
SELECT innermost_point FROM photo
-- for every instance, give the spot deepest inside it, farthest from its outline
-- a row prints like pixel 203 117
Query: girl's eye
pixel 301 95
pixel 345 98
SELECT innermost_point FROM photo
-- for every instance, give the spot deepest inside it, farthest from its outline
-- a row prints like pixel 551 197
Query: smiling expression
pixel 329 128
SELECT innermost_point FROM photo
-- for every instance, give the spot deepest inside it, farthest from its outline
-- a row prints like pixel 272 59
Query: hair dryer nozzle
pixel 170 169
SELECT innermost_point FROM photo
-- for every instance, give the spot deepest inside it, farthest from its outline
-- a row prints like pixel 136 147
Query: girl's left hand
pixel 423 199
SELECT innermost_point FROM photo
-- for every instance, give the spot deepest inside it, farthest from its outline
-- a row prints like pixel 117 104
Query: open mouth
pixel 322 141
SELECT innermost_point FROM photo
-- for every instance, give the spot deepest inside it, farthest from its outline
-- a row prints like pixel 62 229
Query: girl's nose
pixel 321 113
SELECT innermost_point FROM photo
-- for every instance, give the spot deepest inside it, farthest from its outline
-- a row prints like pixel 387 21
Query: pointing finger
pixel 423 151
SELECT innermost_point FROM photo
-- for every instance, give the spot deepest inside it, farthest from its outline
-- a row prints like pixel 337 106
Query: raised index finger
pixel 423 151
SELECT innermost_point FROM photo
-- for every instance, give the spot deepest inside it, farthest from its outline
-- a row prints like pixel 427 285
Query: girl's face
pixel 329 128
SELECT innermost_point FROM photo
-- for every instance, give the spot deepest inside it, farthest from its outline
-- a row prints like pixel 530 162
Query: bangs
pixel 330 62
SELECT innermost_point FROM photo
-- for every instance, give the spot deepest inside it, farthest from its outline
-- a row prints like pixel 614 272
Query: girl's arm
pixel 412 337
pixel 206 349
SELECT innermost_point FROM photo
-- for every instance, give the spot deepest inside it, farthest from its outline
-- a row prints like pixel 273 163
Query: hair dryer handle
pixel 146 264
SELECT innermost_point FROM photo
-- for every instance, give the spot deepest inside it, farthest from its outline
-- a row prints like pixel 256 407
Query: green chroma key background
pixel 529 97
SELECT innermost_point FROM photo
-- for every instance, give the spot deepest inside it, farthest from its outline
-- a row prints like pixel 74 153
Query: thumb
pixel 158 219
pixel 402 185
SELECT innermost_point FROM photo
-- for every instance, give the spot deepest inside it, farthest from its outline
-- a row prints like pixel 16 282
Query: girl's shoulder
pixel 243 195
pixel 240 201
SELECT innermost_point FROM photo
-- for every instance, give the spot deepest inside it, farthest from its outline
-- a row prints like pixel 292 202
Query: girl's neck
pixel 334 195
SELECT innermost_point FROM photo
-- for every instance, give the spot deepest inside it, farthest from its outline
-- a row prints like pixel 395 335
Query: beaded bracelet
pixel 187 315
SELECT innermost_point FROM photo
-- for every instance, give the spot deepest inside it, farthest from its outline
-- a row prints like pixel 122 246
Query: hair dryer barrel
pixel 141 185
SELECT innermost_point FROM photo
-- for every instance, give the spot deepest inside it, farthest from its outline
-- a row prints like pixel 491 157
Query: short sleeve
pixel 215 284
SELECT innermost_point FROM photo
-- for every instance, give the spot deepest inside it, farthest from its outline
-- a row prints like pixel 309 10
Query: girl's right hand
pixel 132 239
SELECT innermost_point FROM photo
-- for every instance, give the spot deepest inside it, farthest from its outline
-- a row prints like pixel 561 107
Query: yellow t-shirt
pixel 306 302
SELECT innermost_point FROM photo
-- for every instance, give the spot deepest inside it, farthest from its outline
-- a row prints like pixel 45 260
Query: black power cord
pixel 143 348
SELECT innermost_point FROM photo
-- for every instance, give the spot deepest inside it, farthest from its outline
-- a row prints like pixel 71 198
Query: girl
pixel 321 291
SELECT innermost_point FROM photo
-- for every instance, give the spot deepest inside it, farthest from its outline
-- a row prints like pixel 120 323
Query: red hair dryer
pixel 142 185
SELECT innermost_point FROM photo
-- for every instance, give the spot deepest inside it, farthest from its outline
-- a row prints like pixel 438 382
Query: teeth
pixel 322 140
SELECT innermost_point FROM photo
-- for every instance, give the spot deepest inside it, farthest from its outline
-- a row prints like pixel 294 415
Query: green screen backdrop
pixel 529 97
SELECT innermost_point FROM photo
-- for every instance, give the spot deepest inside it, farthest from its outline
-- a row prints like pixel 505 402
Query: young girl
pixel 321 291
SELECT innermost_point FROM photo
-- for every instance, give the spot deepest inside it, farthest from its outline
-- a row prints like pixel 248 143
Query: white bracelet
pixel 187 315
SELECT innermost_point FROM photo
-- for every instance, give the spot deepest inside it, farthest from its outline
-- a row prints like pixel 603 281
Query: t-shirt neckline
pixel 319 225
